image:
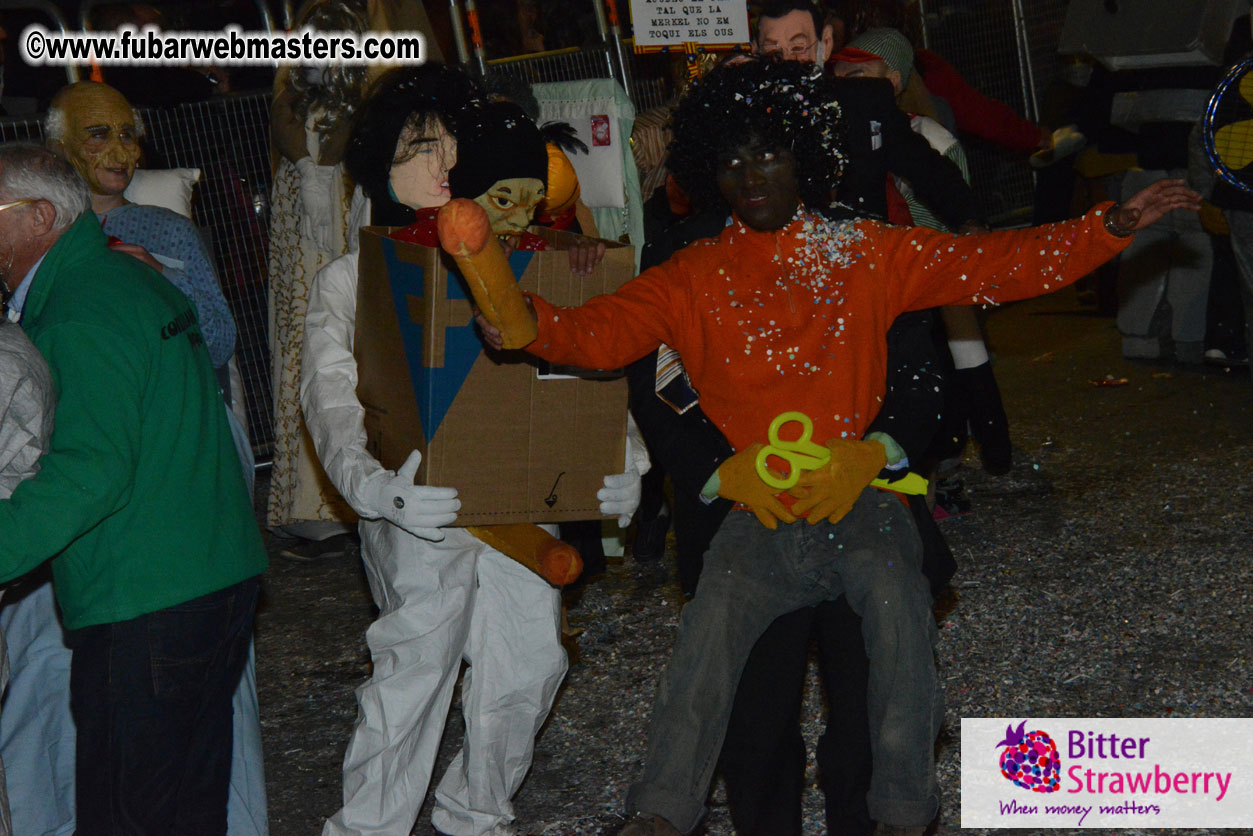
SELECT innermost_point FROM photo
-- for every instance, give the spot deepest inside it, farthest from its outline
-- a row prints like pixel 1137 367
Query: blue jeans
pixel 151 699
pixel 753 575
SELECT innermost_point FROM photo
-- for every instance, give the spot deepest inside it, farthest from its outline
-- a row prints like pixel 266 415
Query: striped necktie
pixel 673 385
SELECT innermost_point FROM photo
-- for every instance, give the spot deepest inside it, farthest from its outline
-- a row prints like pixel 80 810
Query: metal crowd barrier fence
pixel 1008 50
pixel 575 64
pixel 228 140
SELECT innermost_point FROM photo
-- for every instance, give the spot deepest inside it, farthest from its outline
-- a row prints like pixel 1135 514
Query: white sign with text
pixel 667 23
pixel 1121 773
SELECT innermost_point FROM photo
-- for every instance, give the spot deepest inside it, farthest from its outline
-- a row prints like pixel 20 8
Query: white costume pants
pixel 440 603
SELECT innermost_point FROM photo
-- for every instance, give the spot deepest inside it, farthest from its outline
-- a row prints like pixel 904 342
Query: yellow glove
pixel 739 482
pixel 829 492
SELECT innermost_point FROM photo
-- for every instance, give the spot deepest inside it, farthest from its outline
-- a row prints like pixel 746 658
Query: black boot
pixel 988 424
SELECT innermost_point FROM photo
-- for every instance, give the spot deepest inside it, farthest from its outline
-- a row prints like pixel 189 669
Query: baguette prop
pixel 553 560
pixel 465 234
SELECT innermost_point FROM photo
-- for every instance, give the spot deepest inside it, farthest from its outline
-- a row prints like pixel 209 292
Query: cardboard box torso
pixel 517 446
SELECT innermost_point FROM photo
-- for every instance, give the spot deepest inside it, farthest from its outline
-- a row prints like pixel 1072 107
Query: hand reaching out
pixel 1150 204
pixel 491 335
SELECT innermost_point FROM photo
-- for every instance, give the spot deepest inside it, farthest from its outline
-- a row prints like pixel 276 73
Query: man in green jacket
pixel 139 503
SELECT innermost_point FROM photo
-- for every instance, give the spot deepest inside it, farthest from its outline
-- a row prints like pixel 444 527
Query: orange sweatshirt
pixel 796 319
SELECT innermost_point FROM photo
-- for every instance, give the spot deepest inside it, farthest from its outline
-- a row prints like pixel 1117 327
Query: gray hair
pixel 29 171
pixel 55 124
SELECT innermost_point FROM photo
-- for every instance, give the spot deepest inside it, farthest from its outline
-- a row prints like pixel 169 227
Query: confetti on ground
pixel 1107 575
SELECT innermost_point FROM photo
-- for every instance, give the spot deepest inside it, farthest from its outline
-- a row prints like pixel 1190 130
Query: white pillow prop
pixel 169 188
pixel 591 108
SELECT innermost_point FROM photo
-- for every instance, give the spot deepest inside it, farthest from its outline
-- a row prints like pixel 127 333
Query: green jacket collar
pixel 83 236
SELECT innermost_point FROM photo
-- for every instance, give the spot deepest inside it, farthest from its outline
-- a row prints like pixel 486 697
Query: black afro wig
pixel 782 104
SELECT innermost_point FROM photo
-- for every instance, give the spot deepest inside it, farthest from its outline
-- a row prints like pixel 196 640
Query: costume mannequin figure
pixel 502 165
pixel 443 594
pixel 316 215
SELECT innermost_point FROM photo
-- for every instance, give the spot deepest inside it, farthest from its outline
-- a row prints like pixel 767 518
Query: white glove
pixel 419 509
pixel 316 190
pixel 621 496
pixel 621 493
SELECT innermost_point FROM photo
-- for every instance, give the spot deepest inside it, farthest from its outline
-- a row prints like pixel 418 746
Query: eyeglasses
pixel 795 51
pixel 21 202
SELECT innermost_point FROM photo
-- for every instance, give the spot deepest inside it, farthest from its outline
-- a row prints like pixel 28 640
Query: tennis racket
pixel 1227 130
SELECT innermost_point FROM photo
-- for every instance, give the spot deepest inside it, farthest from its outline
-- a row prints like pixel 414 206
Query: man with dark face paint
pixel 759 183
pixel 770 318
pixel 763 758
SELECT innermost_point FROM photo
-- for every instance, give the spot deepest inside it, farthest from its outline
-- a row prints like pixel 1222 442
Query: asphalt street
pixel 1108 575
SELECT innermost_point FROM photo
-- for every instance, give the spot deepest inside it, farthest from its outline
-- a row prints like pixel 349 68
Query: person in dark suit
pixel 763 757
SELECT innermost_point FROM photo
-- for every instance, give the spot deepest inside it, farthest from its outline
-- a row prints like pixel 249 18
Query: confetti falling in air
pixel 1032 630
pixel 810 278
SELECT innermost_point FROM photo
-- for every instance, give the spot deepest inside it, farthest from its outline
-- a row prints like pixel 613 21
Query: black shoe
pixel 309 551
pixel 950 498
pixel 996 453
pixel 650 539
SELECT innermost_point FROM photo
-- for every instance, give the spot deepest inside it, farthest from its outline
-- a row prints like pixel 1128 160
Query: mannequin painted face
pixel 502 164
pixel 424 156
pixel 511 203
pixel 100 139
pixel 792 38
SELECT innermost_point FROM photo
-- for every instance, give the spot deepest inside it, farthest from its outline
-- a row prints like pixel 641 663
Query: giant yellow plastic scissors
pixel 804 454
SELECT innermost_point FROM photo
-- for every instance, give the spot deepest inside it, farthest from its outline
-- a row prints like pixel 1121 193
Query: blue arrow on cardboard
pixel 435 388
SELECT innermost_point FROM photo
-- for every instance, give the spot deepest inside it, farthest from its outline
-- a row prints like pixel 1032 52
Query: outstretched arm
pixel 928 269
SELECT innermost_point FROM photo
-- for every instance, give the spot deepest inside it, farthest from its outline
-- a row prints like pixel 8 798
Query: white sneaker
pixel 1067 140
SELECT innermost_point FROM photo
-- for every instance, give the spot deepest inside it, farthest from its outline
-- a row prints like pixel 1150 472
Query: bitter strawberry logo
pixel 1030 759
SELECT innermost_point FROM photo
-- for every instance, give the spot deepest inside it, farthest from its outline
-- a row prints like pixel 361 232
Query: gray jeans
pixel 752 576
pixel 1163 282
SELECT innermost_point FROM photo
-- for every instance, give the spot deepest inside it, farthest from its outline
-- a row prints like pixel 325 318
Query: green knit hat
pixel 889 45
